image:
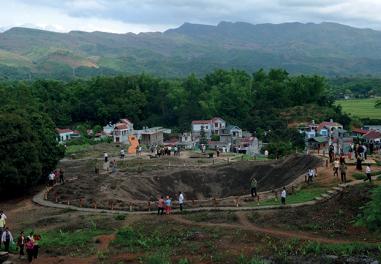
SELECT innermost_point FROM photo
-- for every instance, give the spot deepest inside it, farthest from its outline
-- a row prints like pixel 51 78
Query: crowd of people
pixel 24 244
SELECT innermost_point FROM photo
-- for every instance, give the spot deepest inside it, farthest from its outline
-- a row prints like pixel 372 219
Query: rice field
pixel 362 108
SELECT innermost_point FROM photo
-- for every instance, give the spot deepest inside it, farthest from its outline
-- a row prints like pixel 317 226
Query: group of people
pixel 56 176
pixel 166 151
pixel 340 166
pixel 28 244
pixel 165 205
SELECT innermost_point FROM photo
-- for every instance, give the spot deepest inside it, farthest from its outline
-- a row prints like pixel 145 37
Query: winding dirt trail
pixel 245 224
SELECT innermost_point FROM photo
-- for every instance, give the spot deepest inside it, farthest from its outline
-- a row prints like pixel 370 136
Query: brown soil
pixel 197 183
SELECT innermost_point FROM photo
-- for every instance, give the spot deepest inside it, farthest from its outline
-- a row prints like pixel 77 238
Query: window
pixel 216 124
pixel 206 127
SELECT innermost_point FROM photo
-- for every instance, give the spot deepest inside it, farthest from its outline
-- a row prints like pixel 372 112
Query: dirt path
pixel 245 224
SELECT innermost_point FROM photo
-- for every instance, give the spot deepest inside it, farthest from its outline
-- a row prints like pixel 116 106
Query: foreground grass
pixel 73 243
pixel 362 108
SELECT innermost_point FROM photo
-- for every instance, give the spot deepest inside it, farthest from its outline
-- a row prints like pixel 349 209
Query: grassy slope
pixel 363 108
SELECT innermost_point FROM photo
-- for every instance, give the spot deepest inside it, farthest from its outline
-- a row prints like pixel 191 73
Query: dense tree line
pixel 263 103
pixel 355 87
pixel 28 146
pixel 250 101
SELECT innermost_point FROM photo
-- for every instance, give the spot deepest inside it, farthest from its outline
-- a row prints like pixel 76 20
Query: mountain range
pixel 328 49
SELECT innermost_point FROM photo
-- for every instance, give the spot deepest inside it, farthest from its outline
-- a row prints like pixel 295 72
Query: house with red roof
pixel 358 132
pixel 65 134
pixel 122 130
pixel 326 128
pixel 211 126
pixel 373 136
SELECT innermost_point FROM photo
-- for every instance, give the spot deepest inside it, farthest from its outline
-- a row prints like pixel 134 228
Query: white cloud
pixel 152 15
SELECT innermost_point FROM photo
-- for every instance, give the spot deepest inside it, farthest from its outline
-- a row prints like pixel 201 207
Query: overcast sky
pixel 121 16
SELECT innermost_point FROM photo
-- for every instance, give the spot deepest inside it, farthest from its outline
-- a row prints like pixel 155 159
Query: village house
pixel 358 132
pixel 373 137
pixel 372 127
pixel 122 130
pixel 216 126
pixel 327 128
pixel 108 129
pixel 65 134
pixel 198 125
pixel 234 131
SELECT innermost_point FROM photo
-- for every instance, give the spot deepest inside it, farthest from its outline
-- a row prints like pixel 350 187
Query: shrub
pixel 120 217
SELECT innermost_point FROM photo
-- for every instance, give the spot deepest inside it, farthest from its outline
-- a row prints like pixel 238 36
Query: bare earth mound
pixel 197 183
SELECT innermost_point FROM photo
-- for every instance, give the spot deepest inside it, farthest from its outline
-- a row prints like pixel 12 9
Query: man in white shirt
pixel 181 201
pixel 7 239
pixel 51 179
pixel 283 196
pixel 368 172
pixel 105 155
pixel 3 217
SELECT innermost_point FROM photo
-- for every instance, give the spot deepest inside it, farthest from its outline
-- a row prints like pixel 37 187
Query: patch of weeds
pixel 246 260
pixel 184 261
pixel 76 242
pixel 157 258
pixel 139 239
pixel 120 217
pixel 214 217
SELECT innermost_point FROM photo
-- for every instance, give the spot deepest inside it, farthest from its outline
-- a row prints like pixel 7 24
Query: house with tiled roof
pixel 358 132
pixel 122 130
pixel 326 128
pixel 373 136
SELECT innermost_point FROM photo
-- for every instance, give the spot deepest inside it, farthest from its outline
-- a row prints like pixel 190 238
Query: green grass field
pixel 362 108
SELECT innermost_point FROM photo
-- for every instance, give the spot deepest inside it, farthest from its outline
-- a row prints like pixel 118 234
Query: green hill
pixel 329 49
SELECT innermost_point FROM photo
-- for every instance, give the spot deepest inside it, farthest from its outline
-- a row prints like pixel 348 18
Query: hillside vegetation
pixel 328 49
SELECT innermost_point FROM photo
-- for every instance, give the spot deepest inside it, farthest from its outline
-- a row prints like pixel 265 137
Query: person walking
pixel 254 187
pixel 122 154
pixel 7 239
pixel 368 172
pixel 29 246
pixel 62 180
pixel 343 172
pixel 105 156
pixel 36 247
pixel 283 196
pixel 181 201
pixel 21 244
pixel 51 178
pixel 2 224
pixel 168 204
pixel 160 206
pixel 336 165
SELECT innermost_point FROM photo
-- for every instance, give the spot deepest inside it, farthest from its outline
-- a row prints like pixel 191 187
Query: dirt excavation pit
pixel 120 190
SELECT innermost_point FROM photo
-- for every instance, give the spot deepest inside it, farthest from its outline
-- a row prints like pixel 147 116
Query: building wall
pixel 120 136
pixel 197 127
pixel 64 136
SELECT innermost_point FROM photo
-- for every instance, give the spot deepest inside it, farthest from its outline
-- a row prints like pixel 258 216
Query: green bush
pixel 120 217
pixel 371 217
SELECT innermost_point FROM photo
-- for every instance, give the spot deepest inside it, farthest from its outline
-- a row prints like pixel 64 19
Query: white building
pixel 122 130
pixel 217 125
pixel 64 134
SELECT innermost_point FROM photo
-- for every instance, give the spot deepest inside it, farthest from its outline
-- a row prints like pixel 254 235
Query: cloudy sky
pixel 121 16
